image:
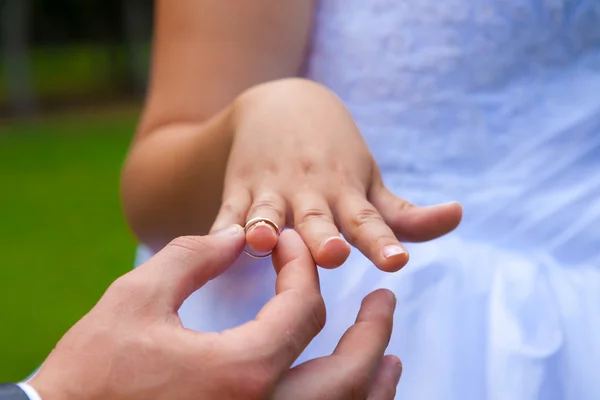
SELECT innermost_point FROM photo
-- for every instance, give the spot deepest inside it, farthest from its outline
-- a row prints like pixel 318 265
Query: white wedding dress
pixel 496 104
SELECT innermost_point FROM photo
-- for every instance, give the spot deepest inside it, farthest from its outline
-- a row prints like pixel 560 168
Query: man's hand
pixel 132 344
pixel 356 369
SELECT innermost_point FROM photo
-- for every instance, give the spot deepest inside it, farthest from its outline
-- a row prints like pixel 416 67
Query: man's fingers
pixel 365 342
pixel 384 383
pixel 287 324
pixel 320 378
pixel 330 378
pixel 296 270
pixel 187 263
pixel 357 368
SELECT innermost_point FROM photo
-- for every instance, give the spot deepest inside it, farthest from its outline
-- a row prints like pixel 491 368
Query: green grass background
pixel 74 70
pixel 62 235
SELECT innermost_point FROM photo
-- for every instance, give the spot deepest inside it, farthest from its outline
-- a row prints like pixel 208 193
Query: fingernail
pixel 395 300
pixel 393 250
pixel 398 373
pixel 334 238
pixel 444 204
pixel 231 231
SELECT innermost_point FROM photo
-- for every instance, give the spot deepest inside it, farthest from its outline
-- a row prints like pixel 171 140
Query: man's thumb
pixel 188 262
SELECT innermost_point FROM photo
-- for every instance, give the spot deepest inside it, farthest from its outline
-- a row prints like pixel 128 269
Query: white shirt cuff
pixel 29 391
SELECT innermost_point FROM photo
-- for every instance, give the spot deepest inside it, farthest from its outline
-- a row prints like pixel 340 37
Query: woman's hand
pixel 298 159
pixel 287 150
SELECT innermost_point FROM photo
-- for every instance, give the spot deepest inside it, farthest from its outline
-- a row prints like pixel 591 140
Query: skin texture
pixel 132 344
pixel 229 134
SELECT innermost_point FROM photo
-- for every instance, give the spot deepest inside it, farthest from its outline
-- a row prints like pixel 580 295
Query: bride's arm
pixel 205 54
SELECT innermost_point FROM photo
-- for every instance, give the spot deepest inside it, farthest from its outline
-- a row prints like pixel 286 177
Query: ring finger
pixel 267 207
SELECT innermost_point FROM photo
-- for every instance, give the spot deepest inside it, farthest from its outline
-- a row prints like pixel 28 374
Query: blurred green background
pixel 73 78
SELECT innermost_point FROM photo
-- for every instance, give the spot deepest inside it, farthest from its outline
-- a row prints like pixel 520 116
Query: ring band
pixel 260 221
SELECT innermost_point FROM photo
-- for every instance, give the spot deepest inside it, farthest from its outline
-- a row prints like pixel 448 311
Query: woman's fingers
pixel 363 226
pixel 240 207
pixel 234 209
pixel 315 224
pixel 261 237
pixel 415 224
pixel 374 225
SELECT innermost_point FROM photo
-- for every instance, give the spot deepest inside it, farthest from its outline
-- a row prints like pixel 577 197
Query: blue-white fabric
pixel 496 104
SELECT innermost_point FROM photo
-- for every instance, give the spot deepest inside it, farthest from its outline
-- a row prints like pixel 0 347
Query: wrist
pixel 280 102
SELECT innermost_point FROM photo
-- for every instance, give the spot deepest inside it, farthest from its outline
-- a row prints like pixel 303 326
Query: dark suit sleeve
pixel 12 392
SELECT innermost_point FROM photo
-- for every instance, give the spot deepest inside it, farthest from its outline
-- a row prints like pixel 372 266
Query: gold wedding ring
pixel 256 222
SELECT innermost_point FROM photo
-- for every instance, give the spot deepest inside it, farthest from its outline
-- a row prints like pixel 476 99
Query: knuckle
pixel 187 248
pixel 130 290
pixel 347 184
pixel 365 216
pixel 314 214
pixel 190 244
pixel 272 167
pixel 307 165
pixel 266 203
pixel 231 208
pixel 385 238
pixel 127 285
pixel 360 220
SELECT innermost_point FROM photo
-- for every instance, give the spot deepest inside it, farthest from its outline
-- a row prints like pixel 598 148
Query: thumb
pixel 411 223
pixel 187 263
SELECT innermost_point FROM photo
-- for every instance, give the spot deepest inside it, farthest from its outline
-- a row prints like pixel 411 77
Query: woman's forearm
pixel 205 55
pixel 172 180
